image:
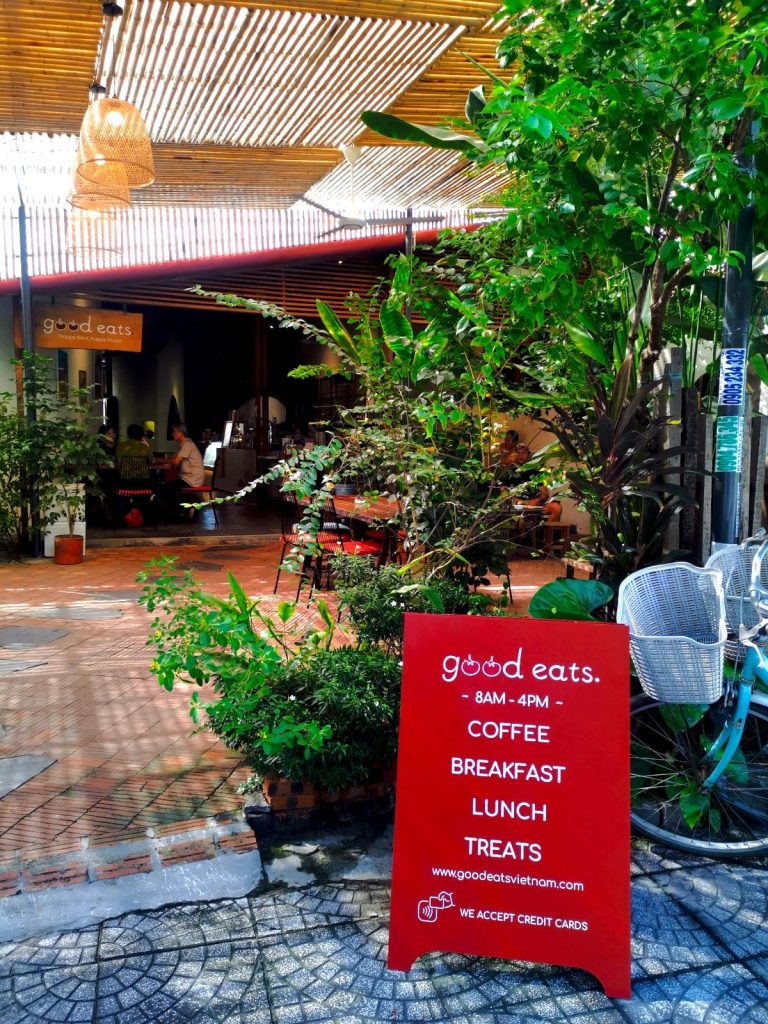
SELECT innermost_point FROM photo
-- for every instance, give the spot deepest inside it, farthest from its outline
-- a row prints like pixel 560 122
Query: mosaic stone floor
pixel 317 953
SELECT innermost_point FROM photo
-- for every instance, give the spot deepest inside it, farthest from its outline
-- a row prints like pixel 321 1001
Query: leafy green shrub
pixel 376 599
pixel 291 704
pixel 46 447
pixel 351 697
pixel 12 502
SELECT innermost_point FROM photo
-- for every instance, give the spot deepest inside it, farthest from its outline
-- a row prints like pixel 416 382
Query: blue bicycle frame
pixel 755 667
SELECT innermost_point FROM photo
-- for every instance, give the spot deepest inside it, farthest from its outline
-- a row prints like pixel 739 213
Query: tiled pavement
pixel 126 759
pixel 700 954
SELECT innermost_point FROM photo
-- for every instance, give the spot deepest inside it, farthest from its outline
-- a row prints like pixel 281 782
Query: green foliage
pixel 351 696
pixel 12 477
pixel 377 599
pixel 570 599
pixel 611 457
pixel 619 123
pixel 428 429
pixel 291 703
pixel 438 138
pixel 46 446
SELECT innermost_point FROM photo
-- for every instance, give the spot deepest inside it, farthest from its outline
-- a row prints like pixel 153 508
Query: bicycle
pixel 700 769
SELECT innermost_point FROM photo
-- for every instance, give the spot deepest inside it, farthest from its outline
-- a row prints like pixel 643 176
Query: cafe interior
pixel 249 172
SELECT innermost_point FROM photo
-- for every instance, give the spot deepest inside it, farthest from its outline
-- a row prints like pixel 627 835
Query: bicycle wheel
pixel 668 754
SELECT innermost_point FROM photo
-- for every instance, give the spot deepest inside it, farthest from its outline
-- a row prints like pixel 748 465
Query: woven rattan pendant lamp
pixel 112 194
pixel 94 236
pixel 114 140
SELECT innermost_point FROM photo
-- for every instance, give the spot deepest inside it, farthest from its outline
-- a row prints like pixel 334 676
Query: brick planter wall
pixel 295 803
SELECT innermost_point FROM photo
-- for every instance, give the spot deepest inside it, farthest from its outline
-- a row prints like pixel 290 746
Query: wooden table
pixel 165 469
pixel 364 511
pixel 529 519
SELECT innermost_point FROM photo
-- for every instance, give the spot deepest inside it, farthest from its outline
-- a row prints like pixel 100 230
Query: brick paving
pixel 126 757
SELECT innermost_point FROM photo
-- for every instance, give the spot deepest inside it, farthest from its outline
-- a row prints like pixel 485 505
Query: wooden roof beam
pixel 472 13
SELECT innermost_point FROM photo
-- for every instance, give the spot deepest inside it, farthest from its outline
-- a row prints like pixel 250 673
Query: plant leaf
pixel 394 323
pixel 586 344
pixel 285 610
pixel 240 596
pixel 729 106
pixel 569 599
pixel 437 138
pixel 338 332
pixel 475 103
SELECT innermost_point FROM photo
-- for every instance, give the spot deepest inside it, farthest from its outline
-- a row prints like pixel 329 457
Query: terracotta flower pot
pixel 68 549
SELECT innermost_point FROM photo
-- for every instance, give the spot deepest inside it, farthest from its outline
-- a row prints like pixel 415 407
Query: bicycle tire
pixel 667 755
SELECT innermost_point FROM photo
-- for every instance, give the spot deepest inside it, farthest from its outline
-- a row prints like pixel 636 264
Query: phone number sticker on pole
pixel 512 817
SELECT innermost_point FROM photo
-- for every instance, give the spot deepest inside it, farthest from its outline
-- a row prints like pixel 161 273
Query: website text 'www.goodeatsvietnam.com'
pixel 462 875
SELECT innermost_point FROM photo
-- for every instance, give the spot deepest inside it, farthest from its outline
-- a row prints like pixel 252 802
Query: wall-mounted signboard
pixel 512 816
pixel 57 326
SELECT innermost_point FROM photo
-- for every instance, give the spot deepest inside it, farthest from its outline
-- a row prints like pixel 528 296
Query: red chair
pixel 334 540
pixel 331 539
pixel 134 482
pixel 205 492
pixel 290 517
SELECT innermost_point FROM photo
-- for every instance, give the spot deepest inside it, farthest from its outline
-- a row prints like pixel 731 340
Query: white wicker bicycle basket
pixel 735 563
pixel 676 619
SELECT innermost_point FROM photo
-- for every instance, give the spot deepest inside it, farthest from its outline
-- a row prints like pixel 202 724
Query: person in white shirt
pixel 188 458
pixel 191 472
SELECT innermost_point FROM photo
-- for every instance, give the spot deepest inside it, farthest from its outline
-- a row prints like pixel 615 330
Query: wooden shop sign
pixel 109 330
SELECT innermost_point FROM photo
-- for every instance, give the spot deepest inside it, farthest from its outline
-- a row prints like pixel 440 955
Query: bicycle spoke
pixel 669 765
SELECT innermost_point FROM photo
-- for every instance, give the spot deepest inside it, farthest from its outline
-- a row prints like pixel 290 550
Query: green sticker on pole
pixel 730 436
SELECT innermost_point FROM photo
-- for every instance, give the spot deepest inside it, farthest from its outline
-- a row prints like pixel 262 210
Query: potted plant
pixel 62 456
pixel 315 719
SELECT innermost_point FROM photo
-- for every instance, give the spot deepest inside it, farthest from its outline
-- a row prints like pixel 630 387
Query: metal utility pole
pixel 27 341
pixel 28 344
pixel 729 444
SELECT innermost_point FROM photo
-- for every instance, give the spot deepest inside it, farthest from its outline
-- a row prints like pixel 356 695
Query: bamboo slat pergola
pixel 249 105
pixel 246 101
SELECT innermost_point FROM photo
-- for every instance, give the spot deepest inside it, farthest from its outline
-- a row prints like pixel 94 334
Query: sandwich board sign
pixel 512 814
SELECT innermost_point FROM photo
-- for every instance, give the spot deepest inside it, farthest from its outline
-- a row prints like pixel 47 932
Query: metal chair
pixel 333 540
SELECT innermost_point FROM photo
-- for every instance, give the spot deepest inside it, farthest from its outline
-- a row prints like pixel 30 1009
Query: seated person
pixel 191 472
pixel 107 439
pixel 101 506
pixel 135 449
pixel 544 500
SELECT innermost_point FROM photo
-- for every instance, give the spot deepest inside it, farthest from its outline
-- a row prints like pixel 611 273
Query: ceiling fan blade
pixel 332 231
pixel 319 206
